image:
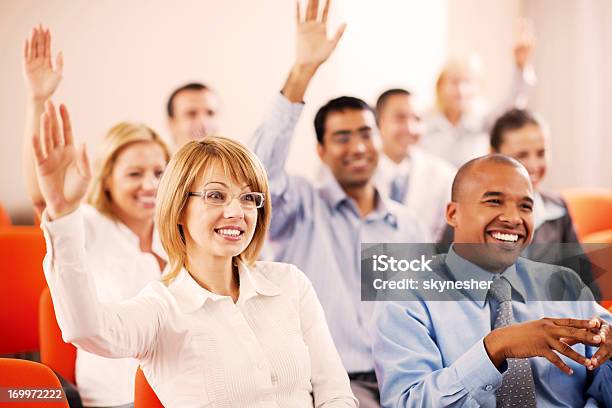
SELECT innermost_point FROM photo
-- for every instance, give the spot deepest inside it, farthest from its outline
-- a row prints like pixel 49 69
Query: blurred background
pixel 123 59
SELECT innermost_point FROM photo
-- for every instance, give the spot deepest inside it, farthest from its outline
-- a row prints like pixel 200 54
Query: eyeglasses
pixel 248 201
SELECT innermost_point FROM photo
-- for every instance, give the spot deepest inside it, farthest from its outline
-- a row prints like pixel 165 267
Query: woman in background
pixel 123 249
pixel 457 130
pixel 522 135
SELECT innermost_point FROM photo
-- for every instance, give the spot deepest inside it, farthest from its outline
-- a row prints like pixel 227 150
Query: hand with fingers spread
pixel 525 44
pixel 541 338
pixel 313 47
pixel 63 173
pixel 42 78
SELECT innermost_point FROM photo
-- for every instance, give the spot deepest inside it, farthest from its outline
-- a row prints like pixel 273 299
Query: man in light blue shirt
pixel 489 350
pixel 320 229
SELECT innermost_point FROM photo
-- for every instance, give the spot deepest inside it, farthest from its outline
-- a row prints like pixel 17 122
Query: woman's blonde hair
pixel 470 64
pixel 116 140
pixel 189 163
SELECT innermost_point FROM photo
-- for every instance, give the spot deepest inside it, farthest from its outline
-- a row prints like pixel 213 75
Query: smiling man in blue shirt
pixel 509 347
pixel 320 229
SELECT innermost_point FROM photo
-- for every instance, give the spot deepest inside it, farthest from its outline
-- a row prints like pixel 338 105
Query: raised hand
pixel 313 47
pixel 41 77
pixel 524 45
pixel 63 173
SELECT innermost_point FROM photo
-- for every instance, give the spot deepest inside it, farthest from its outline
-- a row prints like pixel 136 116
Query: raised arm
pixel 41 78
pixel 113 330
pixel 523 78
pixel 272 140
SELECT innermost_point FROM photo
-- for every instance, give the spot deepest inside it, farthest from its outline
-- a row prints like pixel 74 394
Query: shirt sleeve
pixel 330 382
pixel 410 368
pixel 522 82
pixel 600 389
pixel 126 329
pixel 271 143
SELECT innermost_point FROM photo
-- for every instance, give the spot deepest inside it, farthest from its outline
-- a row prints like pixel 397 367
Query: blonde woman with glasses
pixel 222 329
pixel 123 250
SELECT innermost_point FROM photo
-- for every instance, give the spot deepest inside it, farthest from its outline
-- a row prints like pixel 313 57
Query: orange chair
pixel 54 353
pixel 5 220
pixel 600 237
pixel 21 281
pixel 144 396
pixel 591 209
pixel 16 373
pixel 602 258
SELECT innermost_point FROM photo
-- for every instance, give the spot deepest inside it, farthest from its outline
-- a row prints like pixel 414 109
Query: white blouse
pixel 272 348
pixel 120 270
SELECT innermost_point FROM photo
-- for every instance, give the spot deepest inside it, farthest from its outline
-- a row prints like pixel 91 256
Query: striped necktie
pixel 517 388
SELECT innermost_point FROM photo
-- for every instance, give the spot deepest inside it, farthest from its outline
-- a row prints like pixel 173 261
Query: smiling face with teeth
pixel 348 147
pixel 218 231
pixel 492 213
pixel 132 184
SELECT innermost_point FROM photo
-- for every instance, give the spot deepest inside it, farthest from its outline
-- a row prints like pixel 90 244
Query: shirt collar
pixel 333 194
pixel 462 269
pixel 331 191
pixel 388 166
pixel 156 245
pixel 382 212
pixel 190 296
pixel 545 210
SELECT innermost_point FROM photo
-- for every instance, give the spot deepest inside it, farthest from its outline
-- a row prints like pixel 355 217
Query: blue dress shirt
pixel 319 229
pixel 431 354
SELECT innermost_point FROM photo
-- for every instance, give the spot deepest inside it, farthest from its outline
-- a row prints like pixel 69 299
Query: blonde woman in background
pixel 123 249
pixel 457 130
pixel 222 329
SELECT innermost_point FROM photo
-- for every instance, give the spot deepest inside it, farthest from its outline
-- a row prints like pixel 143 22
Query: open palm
pixel 63 172
pixel 41 77
pixel 313 46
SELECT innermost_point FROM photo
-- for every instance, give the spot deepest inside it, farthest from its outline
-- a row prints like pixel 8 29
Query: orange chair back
pixel 21 281
pixel 54 353
pixel 591 209
pixel 144 396
pixel 16 373
pixel 601 258
pixel 5 220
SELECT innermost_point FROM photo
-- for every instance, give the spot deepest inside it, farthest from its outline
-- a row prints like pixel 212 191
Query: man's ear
pixel 492 150
pixel 451 214
pixel 320 151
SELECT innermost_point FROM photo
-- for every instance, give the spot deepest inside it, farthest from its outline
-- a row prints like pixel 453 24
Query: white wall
pixel 123 58
pixel 575 88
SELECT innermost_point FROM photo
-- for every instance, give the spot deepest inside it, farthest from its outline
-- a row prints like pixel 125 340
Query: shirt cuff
pixel 65 237
pixel 478 374
pixel 527 75
pixel 290 110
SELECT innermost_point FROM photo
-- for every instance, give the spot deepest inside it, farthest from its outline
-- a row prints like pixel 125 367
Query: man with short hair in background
pixel 192 113
pixel 406 173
